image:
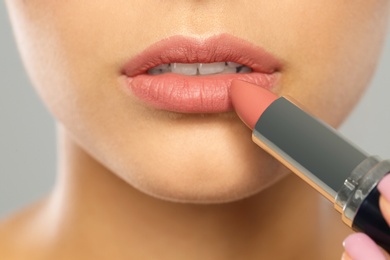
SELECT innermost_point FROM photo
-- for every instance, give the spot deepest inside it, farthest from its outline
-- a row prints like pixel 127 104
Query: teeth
pixel 160 69
pixel 244 69
pixel 233 64
pixel 185 68
pixel 211 68
pixel 192 69
pixel 228 70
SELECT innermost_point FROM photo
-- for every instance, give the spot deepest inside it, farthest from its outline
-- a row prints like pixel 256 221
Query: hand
pixel 359 246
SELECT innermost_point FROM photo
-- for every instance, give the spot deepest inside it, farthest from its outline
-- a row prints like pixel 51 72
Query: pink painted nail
pixel 384 187
pixel 360 247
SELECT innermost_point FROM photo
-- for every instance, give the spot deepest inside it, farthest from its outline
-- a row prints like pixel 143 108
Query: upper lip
pixel 218 48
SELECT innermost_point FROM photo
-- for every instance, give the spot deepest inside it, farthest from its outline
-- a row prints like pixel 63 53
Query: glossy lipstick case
pixel 323 158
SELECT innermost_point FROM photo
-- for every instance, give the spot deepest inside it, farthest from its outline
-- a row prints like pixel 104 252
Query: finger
pixel 384 201
pixel 384 205
pixel 359 246
pixel 384 252
pixel 345 256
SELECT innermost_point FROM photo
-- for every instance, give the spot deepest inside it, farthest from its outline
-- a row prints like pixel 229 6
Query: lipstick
pixel 322 157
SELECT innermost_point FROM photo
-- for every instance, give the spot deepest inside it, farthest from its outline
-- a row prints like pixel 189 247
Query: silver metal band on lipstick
pixel 319 155
pixel 358 186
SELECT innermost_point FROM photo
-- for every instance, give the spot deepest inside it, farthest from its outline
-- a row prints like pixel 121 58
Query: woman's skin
pixel 119 180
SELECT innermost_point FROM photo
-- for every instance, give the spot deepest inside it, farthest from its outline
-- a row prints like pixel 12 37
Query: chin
pixel 213 192
pixel 195 159
pixel 212 184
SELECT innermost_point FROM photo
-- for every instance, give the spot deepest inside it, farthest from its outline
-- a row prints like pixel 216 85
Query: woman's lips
pixel 197 94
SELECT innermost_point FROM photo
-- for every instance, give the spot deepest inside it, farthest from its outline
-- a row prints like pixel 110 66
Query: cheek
pixel 331 51
pixel 72 57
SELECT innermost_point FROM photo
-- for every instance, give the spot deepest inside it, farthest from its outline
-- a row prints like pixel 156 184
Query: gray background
pixel 27 137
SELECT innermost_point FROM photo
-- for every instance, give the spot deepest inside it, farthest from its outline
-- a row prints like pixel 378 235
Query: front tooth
pixel 211 68
pixel 186 69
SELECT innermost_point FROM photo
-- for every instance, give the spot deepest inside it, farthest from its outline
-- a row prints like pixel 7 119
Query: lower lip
pixel 193 94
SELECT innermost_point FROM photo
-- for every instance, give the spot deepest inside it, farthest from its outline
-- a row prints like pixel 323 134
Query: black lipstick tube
pixel 317 153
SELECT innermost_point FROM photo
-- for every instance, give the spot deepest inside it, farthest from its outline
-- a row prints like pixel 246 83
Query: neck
pixel 94 210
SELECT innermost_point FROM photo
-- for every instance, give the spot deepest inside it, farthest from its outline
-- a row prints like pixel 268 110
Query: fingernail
pixel 360 247
pixel 384 187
